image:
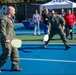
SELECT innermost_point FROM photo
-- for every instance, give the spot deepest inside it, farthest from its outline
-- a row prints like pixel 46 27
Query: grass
pixel 31 39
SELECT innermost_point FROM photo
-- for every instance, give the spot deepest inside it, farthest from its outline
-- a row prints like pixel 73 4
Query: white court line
pixel 48 60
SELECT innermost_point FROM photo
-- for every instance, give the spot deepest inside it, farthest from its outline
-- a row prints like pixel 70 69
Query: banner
pixel 59 0
pixel 3 10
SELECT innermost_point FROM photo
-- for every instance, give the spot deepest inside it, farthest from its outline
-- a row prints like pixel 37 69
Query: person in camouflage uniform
pixel 57 26
pixel 7 35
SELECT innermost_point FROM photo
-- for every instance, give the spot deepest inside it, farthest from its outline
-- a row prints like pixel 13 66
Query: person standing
pixel 43 13
pixel 36 19
pixel 45 17
pixel 62 13
pixel 69 20
pixel 57 26
pixel 7 35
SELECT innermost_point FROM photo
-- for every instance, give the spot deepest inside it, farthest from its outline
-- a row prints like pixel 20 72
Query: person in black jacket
pixel 45 18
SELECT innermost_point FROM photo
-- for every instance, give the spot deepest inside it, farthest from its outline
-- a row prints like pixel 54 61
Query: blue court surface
pixel 20 29
pixel 36 60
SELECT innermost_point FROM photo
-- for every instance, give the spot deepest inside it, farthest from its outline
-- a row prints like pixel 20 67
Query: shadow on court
pixel 38 48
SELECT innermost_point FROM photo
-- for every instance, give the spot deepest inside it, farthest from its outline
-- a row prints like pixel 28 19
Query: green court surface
pixel 27 35
pixel 30 38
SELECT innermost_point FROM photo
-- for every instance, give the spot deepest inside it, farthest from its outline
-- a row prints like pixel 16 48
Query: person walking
pixel 7 35
pixel 57 26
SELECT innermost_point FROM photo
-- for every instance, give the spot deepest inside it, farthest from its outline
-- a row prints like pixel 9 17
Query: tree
pixel 10 1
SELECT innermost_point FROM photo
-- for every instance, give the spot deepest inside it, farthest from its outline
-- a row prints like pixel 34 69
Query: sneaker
pixel 45 46
pixel 16 69
pixel 67 47
pixel 38 34
pixel 0 71
pixel 34 34
pixel 72 38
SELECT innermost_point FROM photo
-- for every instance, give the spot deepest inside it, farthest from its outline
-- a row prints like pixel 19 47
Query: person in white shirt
pixel 62 13
pixel 36 19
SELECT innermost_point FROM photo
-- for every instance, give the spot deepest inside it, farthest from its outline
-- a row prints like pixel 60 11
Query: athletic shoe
pixel 45 46
pixel 0 71
pixel 16 69
pixel 67 47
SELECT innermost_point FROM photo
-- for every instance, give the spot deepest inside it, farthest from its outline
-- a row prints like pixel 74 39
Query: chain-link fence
pixel 23 10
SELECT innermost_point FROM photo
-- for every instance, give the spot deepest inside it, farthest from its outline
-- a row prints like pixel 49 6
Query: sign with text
pixel 3 10
pixel 58 0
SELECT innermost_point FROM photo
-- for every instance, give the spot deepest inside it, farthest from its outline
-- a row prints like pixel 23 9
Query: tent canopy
pixel 58 5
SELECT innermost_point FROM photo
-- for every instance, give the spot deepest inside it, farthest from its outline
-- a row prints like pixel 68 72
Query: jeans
pixel 37 27
pixel 45 28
